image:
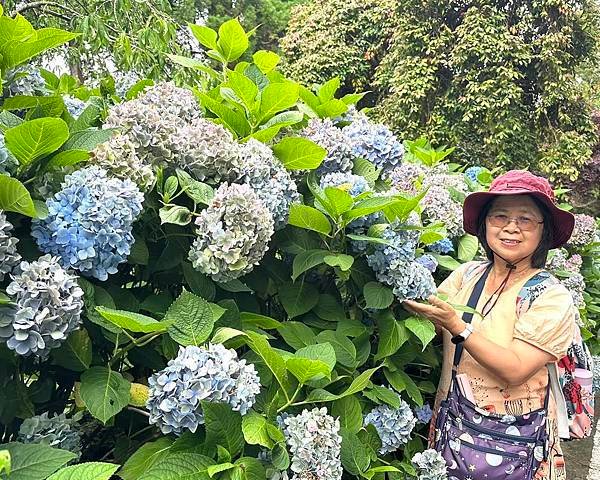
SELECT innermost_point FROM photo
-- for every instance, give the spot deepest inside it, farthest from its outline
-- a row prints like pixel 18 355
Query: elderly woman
pixel 527 320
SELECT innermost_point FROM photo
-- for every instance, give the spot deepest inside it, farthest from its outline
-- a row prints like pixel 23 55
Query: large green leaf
pixel 392 335
pixel 354 455
pixel 306 260
pixel 104 392
pixel 75 353
pixel 88 139
pixel 349 411
pixel 179 466
pixel 233 40
pixel 298 299
pixel 191 319
pixel 305 369
pixel 275 98
pixel 345 351
pixel 14 197
pixel 35 139
pixel 309 218
pixel 377 296
pixel 29 46
pixel 86 471
pixel 297 334
pixel 145 457
pixel 205 35
pixel 256 430
pixel 320 351
pixel 223 427
pixel 298 153
pixel 422 328
pixel 233 120
pixel 265 60
pixel 34 461
pixel 272 359
pixel 134 322
pixel 467 247
pixel 244 88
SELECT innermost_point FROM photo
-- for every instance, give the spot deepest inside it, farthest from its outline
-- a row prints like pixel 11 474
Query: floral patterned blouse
pixel 539 311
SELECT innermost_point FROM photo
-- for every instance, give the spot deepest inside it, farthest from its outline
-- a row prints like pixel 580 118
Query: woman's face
pixel 514 241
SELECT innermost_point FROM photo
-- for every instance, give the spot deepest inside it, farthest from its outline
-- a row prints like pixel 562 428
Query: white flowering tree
pixel 210 285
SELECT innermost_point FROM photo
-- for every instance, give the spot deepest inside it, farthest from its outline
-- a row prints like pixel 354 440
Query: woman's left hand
pixel 439 312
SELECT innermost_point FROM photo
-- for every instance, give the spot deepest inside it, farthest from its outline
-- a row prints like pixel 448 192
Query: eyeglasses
pixel 524 223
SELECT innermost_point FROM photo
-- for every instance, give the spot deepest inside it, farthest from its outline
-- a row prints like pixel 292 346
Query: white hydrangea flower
pixel 119 157
pixel 438 206
pixel 233 233
pixel 213 374
pixel 9 257
pixel 394 425
pixel 169 100
pixel 430 465
pixel 315 444
pixel 48 303
pixel 206 150
pixel 584 230
pixel 267 176
pixel 403 177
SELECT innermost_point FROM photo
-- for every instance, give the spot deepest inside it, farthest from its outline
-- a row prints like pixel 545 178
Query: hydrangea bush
pixel 216 283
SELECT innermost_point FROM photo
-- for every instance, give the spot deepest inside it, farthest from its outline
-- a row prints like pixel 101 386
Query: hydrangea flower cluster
pixel 440 176
pixel 424 413
pixel 148 130
pixel 90 221
pixel 74 105
pixel 25 81
pixel 441 246
pixel 9 257
pixel 394 425
pixel 339 151
pixel 576 286
pixel 233 233
pixel 206 150
pixel 213 374
pixel 430 464
pixel 471 173
pixel 353 184
pixel 409 280
pixel 269 179
pixel 315 444
pixel 169 100
pixel 561 261
pixel 403 177
pixel 402 246
pixel 584 230
pixel 57 431
pixel 47 308
pixel 119 157
pixel 374 142
pixel 438 206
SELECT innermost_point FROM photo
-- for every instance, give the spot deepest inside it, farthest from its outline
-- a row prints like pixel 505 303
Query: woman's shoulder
pixel 545 288
pixel 471 270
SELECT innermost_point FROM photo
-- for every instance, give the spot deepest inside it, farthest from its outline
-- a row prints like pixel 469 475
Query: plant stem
pixel 291 400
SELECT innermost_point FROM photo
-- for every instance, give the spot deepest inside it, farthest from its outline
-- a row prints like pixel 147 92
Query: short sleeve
pixel 549 323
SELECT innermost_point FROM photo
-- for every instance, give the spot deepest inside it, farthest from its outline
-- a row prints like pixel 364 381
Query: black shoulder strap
pixel 468 316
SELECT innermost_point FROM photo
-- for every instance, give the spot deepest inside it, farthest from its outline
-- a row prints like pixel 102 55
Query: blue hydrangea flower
pixel 213 374
pixel 89 222
pixel 441 246
pixel 46 308
pixel 403 245
pixel 428 261
pixel 424 413
pixel 374 142
pixel 430 465
pixel 338 146
pixel 472 172
pixel 353 184
pixel 74 105
pixel 25 80
pixel 56 431
pixel 8 163
pixel 439 206
pixel 409 280
pixel 394 425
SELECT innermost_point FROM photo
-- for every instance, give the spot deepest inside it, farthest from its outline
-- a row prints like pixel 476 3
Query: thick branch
pixel 45 3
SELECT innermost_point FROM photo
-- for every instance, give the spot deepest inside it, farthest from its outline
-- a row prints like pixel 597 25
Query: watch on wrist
pixel 462 336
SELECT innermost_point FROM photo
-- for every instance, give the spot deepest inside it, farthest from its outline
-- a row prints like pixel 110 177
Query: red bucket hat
pixel 520 182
